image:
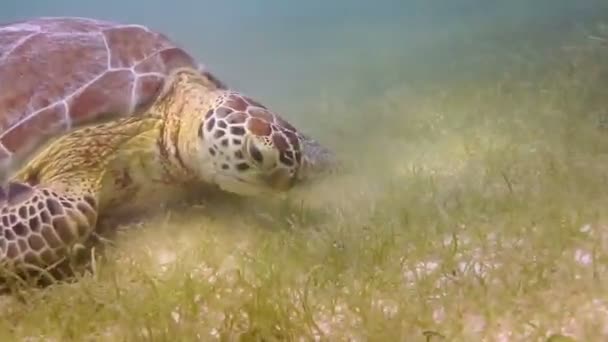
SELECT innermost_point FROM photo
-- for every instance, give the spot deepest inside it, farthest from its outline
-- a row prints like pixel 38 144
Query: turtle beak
pixel 316 161
pixel 280 180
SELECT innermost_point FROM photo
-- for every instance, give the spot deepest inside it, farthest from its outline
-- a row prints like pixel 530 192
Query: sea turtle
pixel 96 116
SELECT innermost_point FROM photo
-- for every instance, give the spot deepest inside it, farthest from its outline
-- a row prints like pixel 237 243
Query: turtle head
pixel 237 143
pixel 252 150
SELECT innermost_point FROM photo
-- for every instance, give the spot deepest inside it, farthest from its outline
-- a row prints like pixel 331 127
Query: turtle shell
pixel 57 74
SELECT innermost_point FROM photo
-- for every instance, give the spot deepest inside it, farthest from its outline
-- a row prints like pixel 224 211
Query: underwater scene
pixel 470 202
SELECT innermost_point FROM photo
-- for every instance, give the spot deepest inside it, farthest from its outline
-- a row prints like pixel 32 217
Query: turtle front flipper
pixel 39 225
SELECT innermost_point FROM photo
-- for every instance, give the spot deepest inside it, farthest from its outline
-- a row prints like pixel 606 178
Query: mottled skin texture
pixel 196 133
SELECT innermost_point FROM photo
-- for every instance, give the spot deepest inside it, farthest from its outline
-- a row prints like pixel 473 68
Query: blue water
pixel 291 52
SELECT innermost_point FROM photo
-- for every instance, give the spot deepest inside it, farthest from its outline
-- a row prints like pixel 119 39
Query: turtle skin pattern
pixel 39 224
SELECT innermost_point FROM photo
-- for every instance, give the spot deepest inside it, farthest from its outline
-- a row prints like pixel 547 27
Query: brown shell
pixel 57 74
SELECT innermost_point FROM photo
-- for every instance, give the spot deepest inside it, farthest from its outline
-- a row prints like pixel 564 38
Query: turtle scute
pixel 58 74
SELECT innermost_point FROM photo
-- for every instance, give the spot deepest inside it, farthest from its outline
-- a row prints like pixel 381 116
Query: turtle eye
pixel 261 155
pixel 255 153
